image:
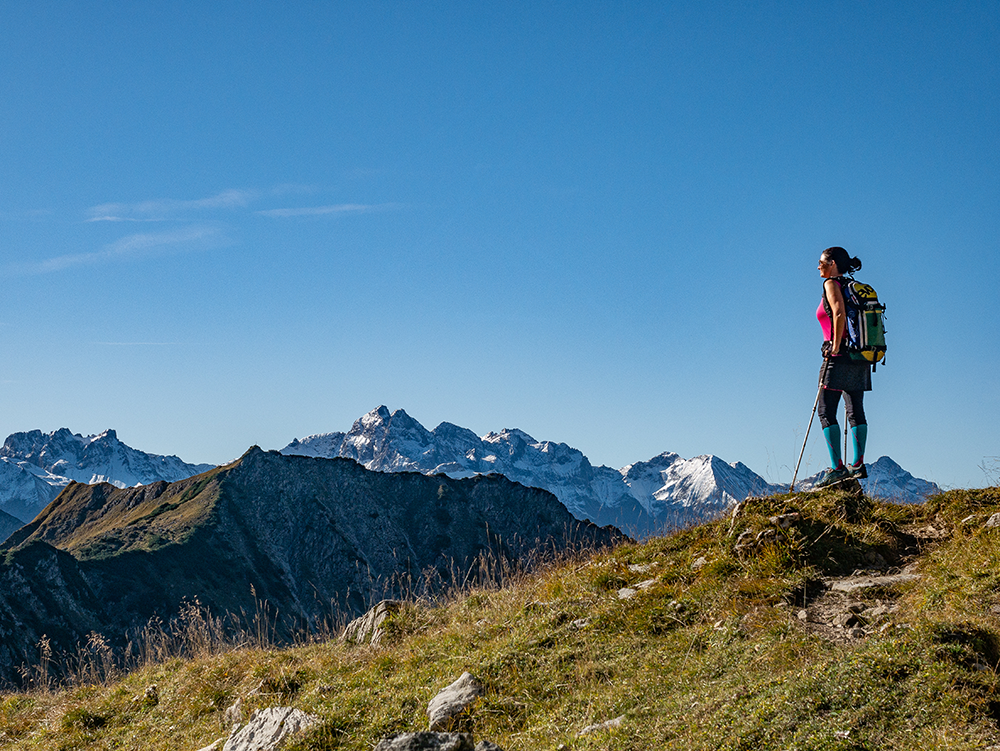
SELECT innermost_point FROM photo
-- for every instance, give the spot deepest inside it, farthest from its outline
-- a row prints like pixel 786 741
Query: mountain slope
pixel 36 466
pixel 311 537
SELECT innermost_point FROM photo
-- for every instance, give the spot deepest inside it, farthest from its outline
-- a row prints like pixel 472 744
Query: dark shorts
pixel 845 374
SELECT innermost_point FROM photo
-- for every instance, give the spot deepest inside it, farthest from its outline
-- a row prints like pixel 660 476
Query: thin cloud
pixel 341 208
pixel 130 247
pixel 164 209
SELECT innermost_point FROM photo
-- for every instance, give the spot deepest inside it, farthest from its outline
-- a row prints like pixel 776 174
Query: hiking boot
pixel 834 476
pixel 858 471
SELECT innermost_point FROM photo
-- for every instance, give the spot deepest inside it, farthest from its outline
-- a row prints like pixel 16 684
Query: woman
pixel 842 373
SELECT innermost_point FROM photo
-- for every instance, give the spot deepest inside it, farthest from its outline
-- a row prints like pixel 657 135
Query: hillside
pixel 311 538
pixel 807 621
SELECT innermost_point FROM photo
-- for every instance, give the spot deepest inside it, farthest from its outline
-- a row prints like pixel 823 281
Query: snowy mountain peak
pixel 38 465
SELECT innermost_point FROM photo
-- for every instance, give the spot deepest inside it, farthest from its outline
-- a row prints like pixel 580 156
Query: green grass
pixel 711 656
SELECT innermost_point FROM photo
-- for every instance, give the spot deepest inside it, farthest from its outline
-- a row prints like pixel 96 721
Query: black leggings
pixel 830 400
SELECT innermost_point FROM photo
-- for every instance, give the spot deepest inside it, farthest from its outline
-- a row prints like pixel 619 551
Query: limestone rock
pixel 269 728
pixel 452 701
pixel 368 628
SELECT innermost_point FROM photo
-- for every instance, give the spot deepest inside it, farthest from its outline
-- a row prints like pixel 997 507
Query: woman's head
pixel 841 259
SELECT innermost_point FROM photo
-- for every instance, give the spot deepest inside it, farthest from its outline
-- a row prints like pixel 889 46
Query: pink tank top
pixel 824 322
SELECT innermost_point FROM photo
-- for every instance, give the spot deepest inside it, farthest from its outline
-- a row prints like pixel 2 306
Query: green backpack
pixel 865 321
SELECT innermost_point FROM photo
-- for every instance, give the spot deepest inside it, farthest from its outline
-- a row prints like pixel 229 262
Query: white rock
pixel 269 728
pixel 368 628
pixel 452 701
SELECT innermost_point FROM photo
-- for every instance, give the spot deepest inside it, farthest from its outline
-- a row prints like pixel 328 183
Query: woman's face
pixel 827 268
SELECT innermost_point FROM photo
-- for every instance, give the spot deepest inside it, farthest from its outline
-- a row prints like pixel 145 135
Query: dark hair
pixel 845 264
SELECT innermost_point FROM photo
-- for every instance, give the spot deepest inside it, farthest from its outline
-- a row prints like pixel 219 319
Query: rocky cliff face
pixel 310 536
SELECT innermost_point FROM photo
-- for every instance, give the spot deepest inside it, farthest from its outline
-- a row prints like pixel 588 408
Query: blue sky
pixel 231 223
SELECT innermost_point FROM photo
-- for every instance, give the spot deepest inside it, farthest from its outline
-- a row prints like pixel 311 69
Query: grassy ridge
pixel 712 654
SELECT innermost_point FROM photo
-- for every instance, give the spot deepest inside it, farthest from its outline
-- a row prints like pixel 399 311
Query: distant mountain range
pixel 313 538
pixel 36 466
pixel 640 499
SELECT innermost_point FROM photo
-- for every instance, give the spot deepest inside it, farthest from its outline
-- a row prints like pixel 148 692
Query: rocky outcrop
pixel 268 730
pixel 368 628
pixel 453 701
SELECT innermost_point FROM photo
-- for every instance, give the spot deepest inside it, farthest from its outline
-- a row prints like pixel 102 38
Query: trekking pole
pixel 844 455
pixel 812 414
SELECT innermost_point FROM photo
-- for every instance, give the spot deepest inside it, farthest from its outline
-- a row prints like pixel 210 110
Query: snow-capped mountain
pixel 640 498
pixel 36 466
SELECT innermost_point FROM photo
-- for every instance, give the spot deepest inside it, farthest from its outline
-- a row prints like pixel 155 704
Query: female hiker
pixel 842 373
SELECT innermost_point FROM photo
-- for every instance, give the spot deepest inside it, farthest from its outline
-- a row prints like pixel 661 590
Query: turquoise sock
pixel 859 437
pixel 832 435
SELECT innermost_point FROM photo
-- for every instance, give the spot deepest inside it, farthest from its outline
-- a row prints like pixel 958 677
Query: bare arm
pixel 835 298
